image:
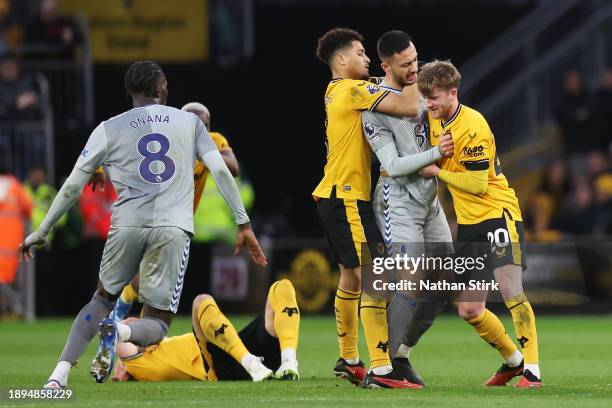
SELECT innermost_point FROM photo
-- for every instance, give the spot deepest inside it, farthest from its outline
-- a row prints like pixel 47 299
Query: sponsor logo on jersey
pixel 84 153
pixel 473 152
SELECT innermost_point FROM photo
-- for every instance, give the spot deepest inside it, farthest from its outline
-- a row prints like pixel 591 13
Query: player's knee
pixel 201 298
pixel 470 312
pixel 282 287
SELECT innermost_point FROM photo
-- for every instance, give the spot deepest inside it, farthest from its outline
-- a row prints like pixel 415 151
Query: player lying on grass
pixel 216 351
pixel 129 295
pixel 489 218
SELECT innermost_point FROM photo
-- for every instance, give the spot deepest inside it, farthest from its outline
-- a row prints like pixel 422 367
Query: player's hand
pixel 446 145
pixel 34 239
pixel 121 373
pixel 245 237
pixel 97 179
pixel 429 171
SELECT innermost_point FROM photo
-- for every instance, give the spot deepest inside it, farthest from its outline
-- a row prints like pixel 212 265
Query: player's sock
pixel 85 327
pixel 399 315
pixel 286 314
pixel 374 320
pixel 403 351
pixel 426 312
pixel 524 327
pixel 219 330
pixel 491 330
pixel 346 306
pixel 146 330
pixel 124 303
pixel 60 374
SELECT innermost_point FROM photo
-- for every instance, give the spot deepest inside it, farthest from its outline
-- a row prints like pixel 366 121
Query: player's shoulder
pixel 472 116
pixel 219 140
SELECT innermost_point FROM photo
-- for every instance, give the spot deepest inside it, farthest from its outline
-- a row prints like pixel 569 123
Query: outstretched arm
pixel 66 197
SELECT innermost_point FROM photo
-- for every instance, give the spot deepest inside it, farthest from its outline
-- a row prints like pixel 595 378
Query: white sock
pixel 352 361
pixel 515 359
pixel 60 374
pixel 403 351
pixel 382 370
pixel 288 354
pixel 534 368
pixel 246 361
pixel 123 332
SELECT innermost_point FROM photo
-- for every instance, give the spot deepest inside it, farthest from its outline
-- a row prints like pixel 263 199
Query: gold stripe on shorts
pixel 354 220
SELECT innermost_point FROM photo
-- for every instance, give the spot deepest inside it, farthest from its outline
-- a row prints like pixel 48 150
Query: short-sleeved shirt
pixel 149 153
pixel 200 171
pixel 176 358
pixel 475 150
pixel 348 166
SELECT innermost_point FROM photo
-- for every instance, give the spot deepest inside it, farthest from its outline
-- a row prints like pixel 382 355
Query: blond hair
pixel 440 74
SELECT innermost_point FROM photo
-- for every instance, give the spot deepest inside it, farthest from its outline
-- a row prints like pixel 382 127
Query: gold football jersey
pixel 200 171
pixel 173 359
pixel 348 164
pixel 475 150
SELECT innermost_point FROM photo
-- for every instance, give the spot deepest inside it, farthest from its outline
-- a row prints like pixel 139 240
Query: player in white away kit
pixel 406 205
pixel 149 153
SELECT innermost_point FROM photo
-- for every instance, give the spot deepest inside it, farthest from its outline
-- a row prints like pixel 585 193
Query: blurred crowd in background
pixel 574 195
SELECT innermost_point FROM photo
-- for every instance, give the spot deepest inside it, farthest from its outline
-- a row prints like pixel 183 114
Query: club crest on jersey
pixel 369 128
pixel 420 132
pixel 372 89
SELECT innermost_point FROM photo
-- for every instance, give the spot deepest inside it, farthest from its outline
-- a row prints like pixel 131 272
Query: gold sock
pixel 219 330
pixel 129 295
pixel 524 327
pixel 286 313
pixel 374 321
pixel 346 306
pixel 491 330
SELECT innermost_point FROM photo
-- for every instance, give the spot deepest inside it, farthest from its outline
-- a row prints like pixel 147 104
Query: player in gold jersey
pixel 343 202
pixel 129 295
pixel 487 212
pixel 216 351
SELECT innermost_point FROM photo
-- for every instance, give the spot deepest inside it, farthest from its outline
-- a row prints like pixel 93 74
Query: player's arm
pixel 382 142
pixel 230 161
pixel 405 104
pixel 210 156
pixel 92 156
pixel 473 181
pixel 66 197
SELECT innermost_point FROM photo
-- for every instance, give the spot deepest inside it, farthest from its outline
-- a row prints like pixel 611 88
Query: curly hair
pixel 142 77
pixel 333 41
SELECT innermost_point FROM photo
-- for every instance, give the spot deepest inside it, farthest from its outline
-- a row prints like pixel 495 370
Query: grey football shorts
pixel 408 226
pixel 160 254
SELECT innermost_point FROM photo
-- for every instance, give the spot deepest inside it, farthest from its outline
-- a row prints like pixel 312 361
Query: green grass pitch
pixel 576 360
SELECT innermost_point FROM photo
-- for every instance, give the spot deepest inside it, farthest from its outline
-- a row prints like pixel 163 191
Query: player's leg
pixel 129 295
pixel 121 255
pixel 282 320
pixel 437 242
pixel 472 243
pixel 373 308
pixel 332 216
pixel 509 278
pixel 212 326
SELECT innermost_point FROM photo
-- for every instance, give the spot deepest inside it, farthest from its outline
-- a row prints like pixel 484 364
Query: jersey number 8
pixel 149 157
